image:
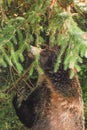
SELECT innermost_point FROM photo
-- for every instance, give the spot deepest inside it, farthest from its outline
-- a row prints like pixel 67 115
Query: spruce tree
pixel 40 23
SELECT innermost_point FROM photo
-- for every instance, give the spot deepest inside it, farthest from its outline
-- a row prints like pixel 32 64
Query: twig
pixel 14 85
pixel 52 3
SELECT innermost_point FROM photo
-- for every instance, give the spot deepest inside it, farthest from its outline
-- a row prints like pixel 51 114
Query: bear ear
pixel 35 50
pixel 47 55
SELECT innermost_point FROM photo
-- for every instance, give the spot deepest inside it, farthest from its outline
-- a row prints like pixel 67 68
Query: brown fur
pixel 63 113
pixel 56 103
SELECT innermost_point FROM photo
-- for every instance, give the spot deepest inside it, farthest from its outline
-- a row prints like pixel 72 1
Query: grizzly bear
pixel 56 102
